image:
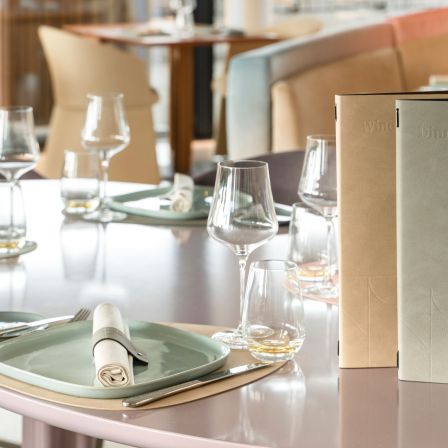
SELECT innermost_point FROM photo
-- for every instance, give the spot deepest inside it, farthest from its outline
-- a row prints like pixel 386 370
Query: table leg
pixel 181 106
pixel 37 434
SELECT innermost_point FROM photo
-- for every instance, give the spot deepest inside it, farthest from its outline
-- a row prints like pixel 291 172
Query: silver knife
pixel 36 324
pixel 149 397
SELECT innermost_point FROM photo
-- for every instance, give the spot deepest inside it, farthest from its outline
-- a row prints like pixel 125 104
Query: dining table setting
pixel 182 314
pixel 119 299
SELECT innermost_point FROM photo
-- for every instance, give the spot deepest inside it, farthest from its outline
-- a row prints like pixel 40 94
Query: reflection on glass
pixel 284 393
pixel 79 246
pixel 100 289
pixel 262 402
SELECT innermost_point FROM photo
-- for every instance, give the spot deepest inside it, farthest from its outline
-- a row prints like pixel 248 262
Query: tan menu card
pixel 365 138
pixel 422 232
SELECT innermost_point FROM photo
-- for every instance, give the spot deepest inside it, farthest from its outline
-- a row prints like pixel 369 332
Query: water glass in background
pixel 183 10
pixel 12 218
pixel 307 243
pixel 273 317
pixel 80 182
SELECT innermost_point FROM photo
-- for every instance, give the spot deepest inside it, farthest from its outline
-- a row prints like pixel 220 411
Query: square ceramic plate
pixel 137 204
pixel 60 359
pixel 146 203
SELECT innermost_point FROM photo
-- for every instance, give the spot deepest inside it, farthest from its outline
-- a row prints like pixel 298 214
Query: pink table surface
pixel 181 275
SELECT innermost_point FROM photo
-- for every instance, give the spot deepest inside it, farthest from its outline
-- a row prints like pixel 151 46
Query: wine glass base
pixel 29 246
pixel 105 215
pixel 323 293
pixel 232 338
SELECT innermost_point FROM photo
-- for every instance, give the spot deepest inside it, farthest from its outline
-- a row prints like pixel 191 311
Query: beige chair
pixel 79 66
pixel 279 94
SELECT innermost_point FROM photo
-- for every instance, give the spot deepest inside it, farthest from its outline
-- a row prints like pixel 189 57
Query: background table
pixel 181 71
pixel 182 275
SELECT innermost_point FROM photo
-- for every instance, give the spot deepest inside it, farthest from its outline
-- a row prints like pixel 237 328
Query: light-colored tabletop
pixel 167 275
pixel 182 275
pixel 181 67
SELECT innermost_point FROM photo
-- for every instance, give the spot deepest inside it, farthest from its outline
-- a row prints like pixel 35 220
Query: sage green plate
pixel 60 359
pixel 128 203
pixel 202 200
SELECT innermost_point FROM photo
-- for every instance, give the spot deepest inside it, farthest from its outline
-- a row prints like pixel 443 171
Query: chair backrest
pixel 304 104
pixel 79 66
pixel 310 71
pixel 422 43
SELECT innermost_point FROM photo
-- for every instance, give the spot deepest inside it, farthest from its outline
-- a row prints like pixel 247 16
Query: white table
pixel 179 275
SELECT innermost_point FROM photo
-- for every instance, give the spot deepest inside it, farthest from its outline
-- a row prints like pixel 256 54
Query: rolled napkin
pixel 113 363
pixel 181 195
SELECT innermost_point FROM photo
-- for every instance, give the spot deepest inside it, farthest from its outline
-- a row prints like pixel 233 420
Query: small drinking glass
pixel 80 182
pixel 12 218
pixel 307 243
pixel 273 317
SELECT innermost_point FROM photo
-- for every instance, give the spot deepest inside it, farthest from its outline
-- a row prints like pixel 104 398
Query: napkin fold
pixel 113 364
pixel 181 194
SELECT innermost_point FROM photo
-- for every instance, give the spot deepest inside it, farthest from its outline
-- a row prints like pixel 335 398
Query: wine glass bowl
pixel 105 131
pixel 318 189
pixel 242 217
pixel 19 150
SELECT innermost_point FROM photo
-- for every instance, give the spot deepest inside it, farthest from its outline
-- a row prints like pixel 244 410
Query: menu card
pixel 365 139
pixel 422 223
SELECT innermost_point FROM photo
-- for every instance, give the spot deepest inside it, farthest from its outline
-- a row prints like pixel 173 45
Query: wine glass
pixel 318 189
pixel 105 131
pixel 183 10
pixel 19 152
pixel 242 217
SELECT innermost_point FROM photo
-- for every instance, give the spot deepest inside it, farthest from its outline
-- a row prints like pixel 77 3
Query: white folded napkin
pixel 113 364
pixel 181 195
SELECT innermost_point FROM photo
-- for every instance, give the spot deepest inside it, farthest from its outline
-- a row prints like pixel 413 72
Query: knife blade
pixel 149 397
pixel 35 324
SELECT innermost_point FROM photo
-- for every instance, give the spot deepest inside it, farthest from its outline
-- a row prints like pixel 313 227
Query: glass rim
pixel 14 109
pixel 273 264
pixel 329 137
pixel 248 164
pixel 106 95
pixel 83 152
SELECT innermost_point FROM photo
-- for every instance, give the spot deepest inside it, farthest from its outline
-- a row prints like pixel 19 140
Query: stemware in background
pixel 183 10
pixel 80 182
pixel 19 152
pixel 318 189
pixel 307 243
pixel 242 217
pixel 273 318
pixel 12 218
pixel 105 131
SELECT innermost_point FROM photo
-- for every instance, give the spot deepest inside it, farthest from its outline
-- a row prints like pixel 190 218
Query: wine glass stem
pixel 242 261
pixel 105 169
pixel 12 183
pixel 327 271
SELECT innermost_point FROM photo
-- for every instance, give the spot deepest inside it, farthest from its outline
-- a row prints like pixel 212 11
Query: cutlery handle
pixel 149 397
pixel 37 323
